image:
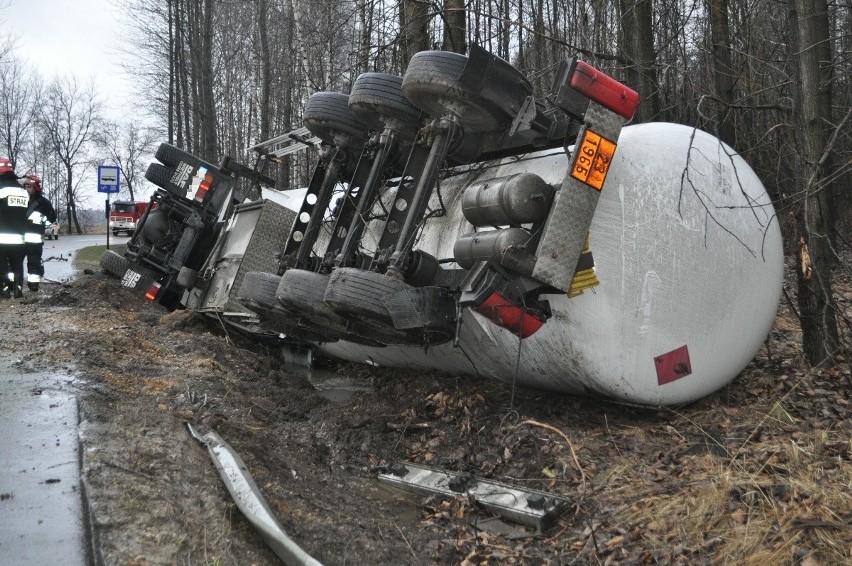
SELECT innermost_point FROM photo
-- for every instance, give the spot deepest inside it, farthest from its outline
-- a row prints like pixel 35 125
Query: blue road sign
pixel 109 178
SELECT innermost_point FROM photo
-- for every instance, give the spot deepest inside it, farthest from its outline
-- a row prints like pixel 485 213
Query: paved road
pixel 58 254
pixel 41 506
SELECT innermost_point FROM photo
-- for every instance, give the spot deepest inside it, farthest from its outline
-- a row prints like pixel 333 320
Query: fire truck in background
pixel 124 215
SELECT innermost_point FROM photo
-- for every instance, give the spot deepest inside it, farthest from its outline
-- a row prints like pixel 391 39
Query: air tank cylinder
pixel 483 246
pixel 507 201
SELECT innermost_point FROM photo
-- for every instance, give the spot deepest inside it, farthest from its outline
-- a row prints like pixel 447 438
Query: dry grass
pixel 747 517
pixel 782 496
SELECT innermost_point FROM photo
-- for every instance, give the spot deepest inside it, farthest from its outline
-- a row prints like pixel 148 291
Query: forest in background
pixel 771 78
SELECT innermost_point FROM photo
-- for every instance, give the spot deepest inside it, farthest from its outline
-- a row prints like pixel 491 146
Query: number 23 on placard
pixel 593 159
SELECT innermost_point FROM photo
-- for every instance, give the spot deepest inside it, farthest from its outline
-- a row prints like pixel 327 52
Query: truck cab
pixel 179 227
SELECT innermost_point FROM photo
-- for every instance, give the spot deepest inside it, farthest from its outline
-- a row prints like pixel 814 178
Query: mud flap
pixel 430 309
pixel 297 355
pixel 574 204
pixel 139 278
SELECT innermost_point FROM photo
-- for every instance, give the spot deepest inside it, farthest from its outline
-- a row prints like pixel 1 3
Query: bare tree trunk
pixel 265 70
pixel 298 16
pixel 330 42
pixel 195 52
pixel 455 28
pixel 71 202
pixel 209 148
pixel 265 103
pixel 364 35
pixel 505 28
pixel 636 42
pixel 172 65
pixel 723 71
pixel 816 302
pixel 521 62
pixel 538 46
pixel 182 138
pixel 403 39
pixel 416 27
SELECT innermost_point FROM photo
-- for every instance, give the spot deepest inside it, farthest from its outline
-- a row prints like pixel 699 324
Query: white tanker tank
pixel 689 258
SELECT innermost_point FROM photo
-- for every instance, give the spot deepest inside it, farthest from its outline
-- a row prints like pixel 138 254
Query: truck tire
pixel 113 263
pixel 377 99
pixel 301 289
pixel 259 288
pixel 302 292
pixel 357 293
pixel 432 83
pixel 327 116
pixel 170 156
pixel 161 176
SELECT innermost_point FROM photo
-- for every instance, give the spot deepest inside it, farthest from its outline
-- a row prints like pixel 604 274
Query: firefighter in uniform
pixel 13 224
pixel 39 213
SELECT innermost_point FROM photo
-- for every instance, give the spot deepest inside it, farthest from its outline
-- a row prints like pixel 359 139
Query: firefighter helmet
pixel 35 182
pixel 6 166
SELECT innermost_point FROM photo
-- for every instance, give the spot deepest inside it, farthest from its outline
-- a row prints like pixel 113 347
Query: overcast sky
pixel 74 37
pixel 71 37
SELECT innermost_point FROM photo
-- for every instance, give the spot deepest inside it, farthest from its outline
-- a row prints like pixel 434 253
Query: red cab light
pixel 603 89
pixel 153 291
pixel 502 312
pixel 204 187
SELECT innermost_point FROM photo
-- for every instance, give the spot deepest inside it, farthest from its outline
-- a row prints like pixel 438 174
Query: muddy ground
pixel 760 472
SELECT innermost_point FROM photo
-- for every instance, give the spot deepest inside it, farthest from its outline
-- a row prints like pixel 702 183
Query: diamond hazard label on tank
pixel 673 365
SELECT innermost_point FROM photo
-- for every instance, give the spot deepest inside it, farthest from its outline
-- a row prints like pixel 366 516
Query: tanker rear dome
pixel 690 259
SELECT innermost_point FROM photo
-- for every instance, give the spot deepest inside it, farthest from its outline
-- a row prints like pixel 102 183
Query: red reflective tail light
pixel 603 89
pixel 502 312
pixel 153 291
pixel 203 187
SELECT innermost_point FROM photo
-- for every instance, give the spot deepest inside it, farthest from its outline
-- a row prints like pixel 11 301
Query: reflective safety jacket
pixel 39 213
pixel 14 202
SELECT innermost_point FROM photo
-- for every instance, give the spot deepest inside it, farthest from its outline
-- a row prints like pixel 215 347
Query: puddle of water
pixel 402 505
pixel 337 389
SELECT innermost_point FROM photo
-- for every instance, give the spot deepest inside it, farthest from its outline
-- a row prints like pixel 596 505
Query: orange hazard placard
pixel 593 159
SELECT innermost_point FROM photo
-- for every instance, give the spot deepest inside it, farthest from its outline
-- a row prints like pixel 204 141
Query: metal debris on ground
pixel 247 496
pixel 529 507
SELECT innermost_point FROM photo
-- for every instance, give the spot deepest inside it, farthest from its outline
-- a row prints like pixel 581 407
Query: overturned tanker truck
pixel 456 221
